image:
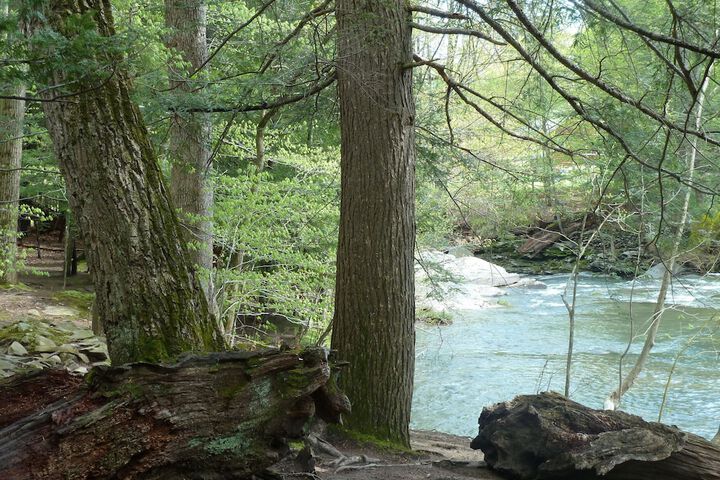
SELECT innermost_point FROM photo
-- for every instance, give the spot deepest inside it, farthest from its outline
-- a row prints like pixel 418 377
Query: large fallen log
pixel 546 237
pixel 222 416
pixel 549 436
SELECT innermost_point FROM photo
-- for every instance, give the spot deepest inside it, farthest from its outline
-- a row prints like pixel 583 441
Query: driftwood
pixel 548 436
pixel 546 237
pixel 222 416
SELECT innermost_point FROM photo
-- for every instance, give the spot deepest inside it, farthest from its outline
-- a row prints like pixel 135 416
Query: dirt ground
pixel 435 456
pixel 40 283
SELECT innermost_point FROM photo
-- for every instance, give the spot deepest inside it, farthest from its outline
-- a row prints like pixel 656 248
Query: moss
pixel 228 444
pixel 129 389
pixel 371 440
pixel 76 299
pixel 231 391
pixel 296 445
pixel 15 287
pixel 433 317
pixel 27 332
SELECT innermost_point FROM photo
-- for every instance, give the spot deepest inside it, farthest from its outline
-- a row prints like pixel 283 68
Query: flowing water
pixel 519 347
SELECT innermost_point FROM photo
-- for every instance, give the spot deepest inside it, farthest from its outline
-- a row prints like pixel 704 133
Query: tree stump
pixel 221 416
pixel 549 436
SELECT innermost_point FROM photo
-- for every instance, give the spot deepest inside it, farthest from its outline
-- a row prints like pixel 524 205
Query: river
pixel 519 347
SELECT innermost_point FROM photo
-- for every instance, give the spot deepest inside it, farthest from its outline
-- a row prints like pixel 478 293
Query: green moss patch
pixel 80 300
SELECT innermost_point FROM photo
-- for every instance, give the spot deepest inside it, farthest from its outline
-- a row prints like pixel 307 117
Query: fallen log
pixel 546 237
pixel 220 416
pixel 548 436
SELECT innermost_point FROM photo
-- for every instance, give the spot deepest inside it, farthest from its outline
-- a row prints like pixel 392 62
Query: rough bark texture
pixel 148 297
pixel 189 136
pixel 549 436
pixel 374 301
pixel 221 416
pixel 12 118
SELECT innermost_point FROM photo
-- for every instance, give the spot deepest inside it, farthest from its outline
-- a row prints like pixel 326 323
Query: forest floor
pixel 43 289
pixel 434 456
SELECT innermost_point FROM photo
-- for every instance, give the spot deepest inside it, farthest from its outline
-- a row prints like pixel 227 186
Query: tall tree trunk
pixel 12 117
pixel 189 136
pixel 147 293
pixel 373 327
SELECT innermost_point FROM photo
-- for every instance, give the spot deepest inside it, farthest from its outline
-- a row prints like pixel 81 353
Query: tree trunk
pixel 12 116
pixel 373 326
pixel 223 416
pixel 549 436
pixel 147 293
pixel 190 133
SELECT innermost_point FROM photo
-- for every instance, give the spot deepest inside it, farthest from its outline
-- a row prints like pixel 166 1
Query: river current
pixel 518 347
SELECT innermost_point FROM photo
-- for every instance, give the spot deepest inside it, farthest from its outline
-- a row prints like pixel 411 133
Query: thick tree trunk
pixel 222 416
pixel 374 300
pixel 549 436
pixel 12 118
pixel 147 293
pixel 189 136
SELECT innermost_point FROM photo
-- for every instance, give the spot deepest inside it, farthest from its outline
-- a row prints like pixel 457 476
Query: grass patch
pixel 368 440
pixel 76 299
pixel 15 287
pixel 432 317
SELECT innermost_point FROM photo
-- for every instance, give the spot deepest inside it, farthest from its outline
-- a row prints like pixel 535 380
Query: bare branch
pixel 438 13
pixel 456 31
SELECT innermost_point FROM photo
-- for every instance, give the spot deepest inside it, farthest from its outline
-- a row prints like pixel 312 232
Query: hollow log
pixel 220 416
pixel 548 436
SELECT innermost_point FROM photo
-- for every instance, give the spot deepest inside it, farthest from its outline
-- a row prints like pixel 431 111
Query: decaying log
pixel 221 416
pixel 546 237
pixel 549 436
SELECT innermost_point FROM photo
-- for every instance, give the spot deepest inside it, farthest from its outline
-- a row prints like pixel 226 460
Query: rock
pixel 6 364
pixel 67 349
pixel 57 311
pixel 54 360
pixel 16 348
pixel 529 283
pixel 445 282
pixel 81 334
pixel 460 251
pixel 83 357
pixel 659 269
pixel 34 312
pixel 44 344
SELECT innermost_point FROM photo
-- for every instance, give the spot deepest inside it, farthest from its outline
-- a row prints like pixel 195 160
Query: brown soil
pixel 435 456
pixel 40 281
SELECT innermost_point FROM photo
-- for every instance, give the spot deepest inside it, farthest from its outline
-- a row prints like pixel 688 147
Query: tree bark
pixel 222 416
pixel 12 118
pixel 190 133
pixel 548 436
pixel 147 293
pixel 373 325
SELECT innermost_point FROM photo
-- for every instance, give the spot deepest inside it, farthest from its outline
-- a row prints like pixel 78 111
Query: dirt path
pixel 44 293
pixel 435 456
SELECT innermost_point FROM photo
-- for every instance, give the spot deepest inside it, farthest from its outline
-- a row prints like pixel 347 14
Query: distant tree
pixel 12 113
pixel 189 137
pixel 147 293
pixel 373 325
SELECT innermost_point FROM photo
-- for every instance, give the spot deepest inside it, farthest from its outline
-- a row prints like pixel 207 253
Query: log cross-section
pixel 548 436
pixel 221 416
